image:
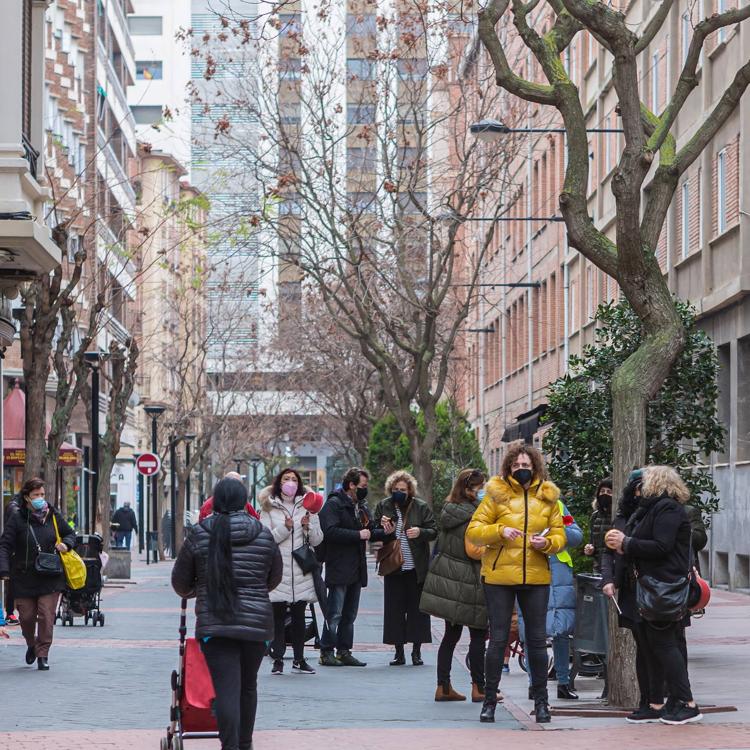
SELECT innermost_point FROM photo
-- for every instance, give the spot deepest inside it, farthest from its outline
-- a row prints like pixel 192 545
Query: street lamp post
pixel 92 359
pixel 238 461
pixel 154 411
pixel 173 494
pixel 188 439
pixel 254 461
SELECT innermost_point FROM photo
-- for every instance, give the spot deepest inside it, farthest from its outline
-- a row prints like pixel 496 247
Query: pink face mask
pixel 289 488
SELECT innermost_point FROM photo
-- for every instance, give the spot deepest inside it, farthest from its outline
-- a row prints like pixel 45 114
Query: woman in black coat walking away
pixel 654 541
pixel 28 532
pixel 453 589
pixel 403 516
pixel 230 562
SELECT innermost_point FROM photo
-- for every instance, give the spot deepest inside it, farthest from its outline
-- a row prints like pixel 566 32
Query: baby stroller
pixel 192 694
pixel 85 602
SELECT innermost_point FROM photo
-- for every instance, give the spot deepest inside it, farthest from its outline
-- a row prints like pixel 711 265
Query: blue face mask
pixel 480 494
pixel 38 503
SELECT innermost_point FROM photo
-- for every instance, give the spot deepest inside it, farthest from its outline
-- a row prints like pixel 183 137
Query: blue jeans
pixel 560 655
pixel 343 605
pixel 122 538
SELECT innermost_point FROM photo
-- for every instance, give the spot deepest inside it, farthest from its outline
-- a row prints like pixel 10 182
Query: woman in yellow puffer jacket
pixel 520 525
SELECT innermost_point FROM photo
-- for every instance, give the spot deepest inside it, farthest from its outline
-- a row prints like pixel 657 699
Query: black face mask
pixel 361 493
pixel 523 476
pixel 604 502
pixel 399 497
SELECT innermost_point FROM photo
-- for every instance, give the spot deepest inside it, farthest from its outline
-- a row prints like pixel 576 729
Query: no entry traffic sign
pixel 148 464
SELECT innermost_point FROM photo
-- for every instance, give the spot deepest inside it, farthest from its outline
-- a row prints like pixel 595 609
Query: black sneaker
pixel 681 713
pixel 278 667
pixel 302 667
pixel 644 715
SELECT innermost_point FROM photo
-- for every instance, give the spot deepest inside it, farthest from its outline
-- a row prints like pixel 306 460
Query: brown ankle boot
pixel 445 692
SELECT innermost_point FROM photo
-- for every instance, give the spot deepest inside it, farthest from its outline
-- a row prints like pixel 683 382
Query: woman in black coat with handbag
pixel 29 557
pixel 410 522
pixel 230 562
pixel 653 544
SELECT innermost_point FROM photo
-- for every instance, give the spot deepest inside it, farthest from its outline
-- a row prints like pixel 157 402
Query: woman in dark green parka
pixel 453 589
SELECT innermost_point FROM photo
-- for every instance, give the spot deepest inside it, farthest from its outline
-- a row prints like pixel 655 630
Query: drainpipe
pixel 529 261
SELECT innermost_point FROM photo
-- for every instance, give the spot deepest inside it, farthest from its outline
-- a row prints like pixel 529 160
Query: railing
pixel 31 155
pixel 122 179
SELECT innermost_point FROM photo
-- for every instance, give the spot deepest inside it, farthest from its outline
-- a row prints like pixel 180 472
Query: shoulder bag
pixel 390 558
pixel 73 565
pixel 305 556
pixel 46 563
pixel 664 601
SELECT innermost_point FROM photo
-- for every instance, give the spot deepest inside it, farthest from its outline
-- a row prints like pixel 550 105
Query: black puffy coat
pixel 419 515
pixel 599 524
pixel 343 550
pixel 18 551
pixel 257 570
pixel 126 519
pixel 453 589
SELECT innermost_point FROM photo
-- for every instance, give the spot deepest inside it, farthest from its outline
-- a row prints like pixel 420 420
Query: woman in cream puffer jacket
pixel 291 525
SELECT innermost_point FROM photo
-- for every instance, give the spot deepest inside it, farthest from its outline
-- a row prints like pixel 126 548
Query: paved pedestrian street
pixel 109 688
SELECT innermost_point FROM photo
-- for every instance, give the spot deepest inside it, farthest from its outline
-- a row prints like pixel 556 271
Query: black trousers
pixel 660 661
pixel 476 653
pixel 533 603
pixel 278 645
pixel 403 622
pixel 233 665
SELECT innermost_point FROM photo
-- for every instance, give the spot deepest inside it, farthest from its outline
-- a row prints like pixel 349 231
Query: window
pixel 361 201
pixel 361 25
pixel 145 25
pixel 721 6
pixel 290 68
pixel 362 159
pixel 685 219
pixel 686 29
pixel 655 82
pixel 412 68
pixel 360 114
pixel 573 307
pixel 590 292
pixel 570 61
pixel 721 187
pixel 148 70
pixel 357 67
pixel 146 114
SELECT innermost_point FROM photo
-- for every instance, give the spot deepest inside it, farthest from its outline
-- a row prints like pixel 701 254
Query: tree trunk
pixel 35 382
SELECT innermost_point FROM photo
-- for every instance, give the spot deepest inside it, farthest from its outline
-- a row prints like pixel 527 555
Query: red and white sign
pixel 148 464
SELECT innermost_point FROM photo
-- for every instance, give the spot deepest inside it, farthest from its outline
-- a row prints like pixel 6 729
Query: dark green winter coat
pixel 419 515
pixel 453 589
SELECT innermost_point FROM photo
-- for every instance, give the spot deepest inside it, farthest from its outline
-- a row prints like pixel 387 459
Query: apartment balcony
pixel 114 171
pixel 26 247
pixel 117 11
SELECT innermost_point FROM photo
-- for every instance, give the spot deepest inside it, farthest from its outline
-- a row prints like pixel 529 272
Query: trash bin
pixel 591 632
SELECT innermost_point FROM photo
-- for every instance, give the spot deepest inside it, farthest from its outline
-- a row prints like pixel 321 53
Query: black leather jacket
pixel 257 570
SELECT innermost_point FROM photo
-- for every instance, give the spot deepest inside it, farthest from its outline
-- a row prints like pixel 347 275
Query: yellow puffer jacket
pixel 515 562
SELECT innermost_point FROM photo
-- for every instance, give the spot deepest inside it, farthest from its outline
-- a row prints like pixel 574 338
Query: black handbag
pixel 664 601
pixel 305 557
pixel 46 563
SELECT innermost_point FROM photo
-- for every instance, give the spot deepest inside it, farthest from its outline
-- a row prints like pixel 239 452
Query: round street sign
pixel 148 464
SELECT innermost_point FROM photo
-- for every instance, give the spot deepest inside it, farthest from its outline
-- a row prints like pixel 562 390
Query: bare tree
pixel 374 187
pixel 643 185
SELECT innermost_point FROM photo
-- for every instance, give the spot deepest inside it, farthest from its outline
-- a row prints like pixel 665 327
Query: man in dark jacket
pixel 127 523
pixel 10 603
pixel 347 527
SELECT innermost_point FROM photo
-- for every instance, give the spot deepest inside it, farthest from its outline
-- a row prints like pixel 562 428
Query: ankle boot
pixel 566 693
pixel 477 693
pixel 487 715
pixel 41 664
pixel 445 692
pixel 541 710
pixel 416 657
pixel 399 659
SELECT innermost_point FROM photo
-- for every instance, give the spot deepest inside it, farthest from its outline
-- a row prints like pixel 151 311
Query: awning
pixel 525 427
pixel 14 433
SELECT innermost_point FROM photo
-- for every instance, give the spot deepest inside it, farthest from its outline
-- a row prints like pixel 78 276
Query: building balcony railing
pixel 118 170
